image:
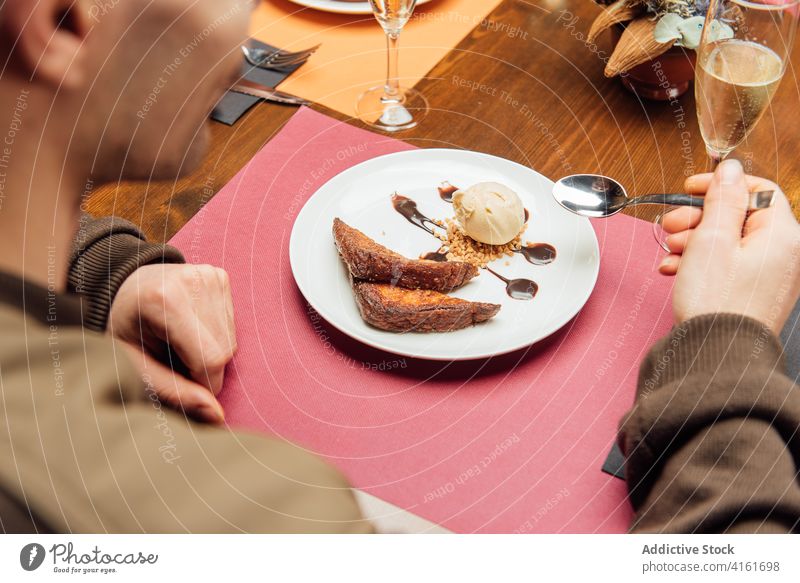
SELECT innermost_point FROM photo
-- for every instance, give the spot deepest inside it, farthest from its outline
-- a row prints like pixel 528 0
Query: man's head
pixel 126 84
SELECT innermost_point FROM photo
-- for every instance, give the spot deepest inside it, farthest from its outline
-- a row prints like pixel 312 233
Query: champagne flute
pixel 390 107
pixel 742 56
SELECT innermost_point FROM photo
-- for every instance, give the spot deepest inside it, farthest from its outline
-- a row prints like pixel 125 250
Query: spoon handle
pixel 758 200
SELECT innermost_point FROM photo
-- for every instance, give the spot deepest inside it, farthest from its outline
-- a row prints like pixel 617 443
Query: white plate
pixel 360 196
pixel 340 7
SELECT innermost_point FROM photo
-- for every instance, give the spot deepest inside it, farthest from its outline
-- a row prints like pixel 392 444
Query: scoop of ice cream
pixel 489 212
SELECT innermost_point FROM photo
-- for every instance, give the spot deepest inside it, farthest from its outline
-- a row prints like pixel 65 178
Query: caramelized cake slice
pixel 371 261
pixel 397 309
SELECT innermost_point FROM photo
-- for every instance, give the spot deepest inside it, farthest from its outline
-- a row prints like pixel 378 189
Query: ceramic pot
pixel 663 78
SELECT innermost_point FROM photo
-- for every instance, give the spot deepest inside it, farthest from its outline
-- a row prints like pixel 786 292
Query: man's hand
pixel 174 389
pixel 727 261
pixel 189 309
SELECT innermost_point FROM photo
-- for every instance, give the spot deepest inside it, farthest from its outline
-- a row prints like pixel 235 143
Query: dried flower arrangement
pixel 652 27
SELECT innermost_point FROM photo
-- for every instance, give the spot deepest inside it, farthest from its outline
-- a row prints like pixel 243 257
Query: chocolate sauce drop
pixel 408 208
pixel 518 289
pixel 439 255
pixel 527 215
pixel 538 253
pixel 446 191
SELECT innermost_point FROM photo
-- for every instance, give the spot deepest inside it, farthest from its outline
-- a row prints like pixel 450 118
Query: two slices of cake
pixel 399 294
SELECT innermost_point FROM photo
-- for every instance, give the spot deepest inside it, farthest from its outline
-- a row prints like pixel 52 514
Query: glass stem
pixel 714 158
pixel 391 89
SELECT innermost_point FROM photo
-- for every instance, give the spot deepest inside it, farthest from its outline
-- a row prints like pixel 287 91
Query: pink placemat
pixel 512 444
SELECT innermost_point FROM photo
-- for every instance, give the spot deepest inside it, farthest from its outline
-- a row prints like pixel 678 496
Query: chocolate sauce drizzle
pixel 408 208
pixel 538 253
pixel 438 255
pixel 446 191
pixel 519 288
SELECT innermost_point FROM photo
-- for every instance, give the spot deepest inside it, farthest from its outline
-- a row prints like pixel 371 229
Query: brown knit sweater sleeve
pixel 713 441
pixel 105 252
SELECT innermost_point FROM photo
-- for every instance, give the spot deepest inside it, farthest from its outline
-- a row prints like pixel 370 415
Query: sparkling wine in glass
pixel 391 107
pixel 740 61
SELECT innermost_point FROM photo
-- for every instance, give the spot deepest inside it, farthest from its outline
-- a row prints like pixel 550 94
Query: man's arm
pixel 106 252
pixel 714 438
pixel 712 441
pixel 142 293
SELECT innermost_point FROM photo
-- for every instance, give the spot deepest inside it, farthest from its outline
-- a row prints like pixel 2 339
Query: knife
pixel 269 93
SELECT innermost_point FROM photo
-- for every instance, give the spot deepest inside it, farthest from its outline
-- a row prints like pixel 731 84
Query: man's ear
pixel 46 37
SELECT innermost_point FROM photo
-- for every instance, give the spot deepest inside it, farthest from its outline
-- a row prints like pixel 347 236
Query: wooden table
pixel 546 104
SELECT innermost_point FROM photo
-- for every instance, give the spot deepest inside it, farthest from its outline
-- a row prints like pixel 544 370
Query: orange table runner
pixel 352 57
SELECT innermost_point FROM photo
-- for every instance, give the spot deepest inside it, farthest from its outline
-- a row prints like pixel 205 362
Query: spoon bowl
pixel 590 195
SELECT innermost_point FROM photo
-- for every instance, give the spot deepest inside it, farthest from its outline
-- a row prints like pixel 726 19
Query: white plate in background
pixel 340 7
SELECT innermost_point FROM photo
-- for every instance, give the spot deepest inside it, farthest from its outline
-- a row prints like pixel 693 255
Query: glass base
pixel 660 233
pixel 391 115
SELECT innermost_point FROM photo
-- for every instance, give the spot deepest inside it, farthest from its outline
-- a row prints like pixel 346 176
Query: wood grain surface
pixel 523 85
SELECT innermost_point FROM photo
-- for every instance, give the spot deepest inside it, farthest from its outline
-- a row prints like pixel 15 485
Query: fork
pixel 276 59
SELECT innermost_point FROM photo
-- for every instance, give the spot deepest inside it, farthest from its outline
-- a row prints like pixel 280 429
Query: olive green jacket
pixel 85 445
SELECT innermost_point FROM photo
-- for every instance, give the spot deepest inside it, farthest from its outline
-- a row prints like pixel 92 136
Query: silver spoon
pixel 593 195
